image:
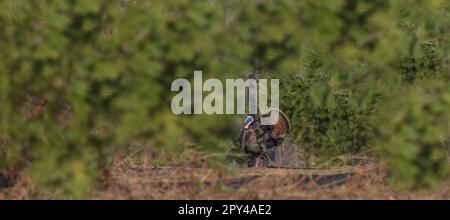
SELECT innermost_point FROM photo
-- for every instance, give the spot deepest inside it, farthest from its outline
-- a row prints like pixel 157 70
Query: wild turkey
pixel 256 139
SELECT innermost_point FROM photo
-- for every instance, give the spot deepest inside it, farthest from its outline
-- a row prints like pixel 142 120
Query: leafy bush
pixel 104 69
pixel 327 122
pixel 428 65
pixel 412 131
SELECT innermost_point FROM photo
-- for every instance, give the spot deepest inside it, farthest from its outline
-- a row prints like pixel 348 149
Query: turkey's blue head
pixel 248 121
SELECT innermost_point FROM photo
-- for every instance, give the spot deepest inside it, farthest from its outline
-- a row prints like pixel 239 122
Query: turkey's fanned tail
pixel 282 126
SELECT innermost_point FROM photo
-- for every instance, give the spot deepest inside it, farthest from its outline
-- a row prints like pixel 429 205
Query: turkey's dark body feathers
pixel 256 140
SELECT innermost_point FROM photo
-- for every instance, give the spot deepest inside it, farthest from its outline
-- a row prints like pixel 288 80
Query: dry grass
pixel 122 181
pixel 363 182
pixel 15 184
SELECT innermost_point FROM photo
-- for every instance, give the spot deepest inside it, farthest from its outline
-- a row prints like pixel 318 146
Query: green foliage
pixel 413 132
pixel 104 68
pixel 428 65
pixel 327 122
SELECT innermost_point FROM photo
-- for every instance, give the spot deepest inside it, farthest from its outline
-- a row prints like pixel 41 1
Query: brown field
pixel 146 182
pixel 361 182
pixel 123 179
